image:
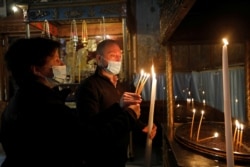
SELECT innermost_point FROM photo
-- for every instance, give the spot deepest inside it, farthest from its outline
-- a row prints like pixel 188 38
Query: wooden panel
pixel 93 29
pixel 180 58
pixel 216 56
pixel 173 11
pixel 204 57
pixel 236 53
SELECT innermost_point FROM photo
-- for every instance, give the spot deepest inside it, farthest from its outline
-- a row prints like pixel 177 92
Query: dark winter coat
pixel 107 124
pixel 38 130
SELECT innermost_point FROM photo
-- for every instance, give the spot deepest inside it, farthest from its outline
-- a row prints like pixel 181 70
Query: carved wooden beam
pixel 40 26
pixel 81 10
pixel 172 13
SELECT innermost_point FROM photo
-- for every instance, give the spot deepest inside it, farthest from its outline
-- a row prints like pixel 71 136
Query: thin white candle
pixel 211 137
pixel 143 81
pixel 139 81
pixel 227 106
pixel 235 129
pixel 192 103
pixel 199 128
pixel 192 124
pixel 238 136
pixel 150 120
pixel 241 133
pixel 188 103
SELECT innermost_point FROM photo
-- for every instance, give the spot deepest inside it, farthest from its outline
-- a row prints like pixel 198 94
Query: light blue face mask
pixel 59 73
pixel 113 67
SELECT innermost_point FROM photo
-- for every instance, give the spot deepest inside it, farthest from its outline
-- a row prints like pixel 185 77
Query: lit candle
pixel 204 103
pixel 192 103
pixel 238 135
pixel 192 124
pixel 150 120
pixel 216 134
pixel 241 133
pixel 139 81
pixel 235 129
pixel 199 127
pixel 227 108
pixel 188 103
pixel 143 81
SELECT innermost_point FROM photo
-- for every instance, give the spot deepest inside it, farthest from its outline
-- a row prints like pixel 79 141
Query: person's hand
pixel 137 109
pixel 153 131
pixel 129 98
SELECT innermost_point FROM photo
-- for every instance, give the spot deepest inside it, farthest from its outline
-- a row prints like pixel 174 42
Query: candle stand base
pixel 213 146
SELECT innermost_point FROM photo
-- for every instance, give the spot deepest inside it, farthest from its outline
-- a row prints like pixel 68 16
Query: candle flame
pixel 153 71
pixel 216 134
pixel 204 101
pixel 142 71
pixel 202 112
pixel 241 126
pixel 194 110
pixel 225 41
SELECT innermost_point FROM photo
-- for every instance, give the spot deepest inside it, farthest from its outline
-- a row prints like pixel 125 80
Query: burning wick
pixel 216 134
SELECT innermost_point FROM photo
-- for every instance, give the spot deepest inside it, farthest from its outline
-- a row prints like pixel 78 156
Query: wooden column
pixel 1 69
pixel 4 90
pixel 247 76
pixel 170 99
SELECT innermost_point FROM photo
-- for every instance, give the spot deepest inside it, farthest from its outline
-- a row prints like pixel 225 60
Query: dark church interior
pixel 183 40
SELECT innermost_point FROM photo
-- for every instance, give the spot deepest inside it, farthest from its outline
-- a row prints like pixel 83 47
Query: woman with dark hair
pixel 37 128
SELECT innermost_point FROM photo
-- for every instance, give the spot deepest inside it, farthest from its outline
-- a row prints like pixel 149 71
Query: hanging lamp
pixel 84 33
pixel 46 30
pixel 73 34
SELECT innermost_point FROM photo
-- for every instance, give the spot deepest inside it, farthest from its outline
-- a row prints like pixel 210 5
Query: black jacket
pixel 37 129
pixel 107 126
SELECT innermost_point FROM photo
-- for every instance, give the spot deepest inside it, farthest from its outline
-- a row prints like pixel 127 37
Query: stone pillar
pixel 170 98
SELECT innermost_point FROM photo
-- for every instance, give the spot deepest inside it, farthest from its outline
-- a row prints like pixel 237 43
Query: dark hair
pixel 101 46
pixel 24 53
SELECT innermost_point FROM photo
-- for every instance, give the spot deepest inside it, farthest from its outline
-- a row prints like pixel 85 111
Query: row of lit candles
pixel 199 128
pixel 238 133
pixel 141 82
pixel 190 102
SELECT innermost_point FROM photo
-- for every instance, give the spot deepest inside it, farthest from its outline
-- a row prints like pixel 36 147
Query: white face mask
pixel 59 73
pixel 114 67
